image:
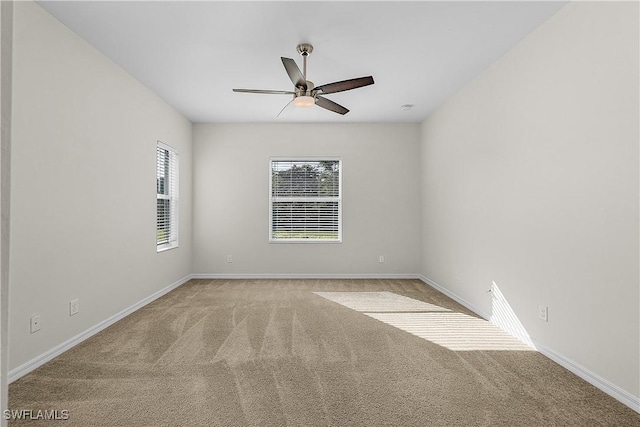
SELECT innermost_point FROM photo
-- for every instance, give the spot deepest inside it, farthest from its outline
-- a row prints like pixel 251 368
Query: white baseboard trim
pixel 596 380
pixel 258 276
pixel 611 389
pixel 36 362
pixel 455 297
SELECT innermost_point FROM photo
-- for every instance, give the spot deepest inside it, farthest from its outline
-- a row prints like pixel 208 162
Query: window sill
pixel 322 242
pixel 164 248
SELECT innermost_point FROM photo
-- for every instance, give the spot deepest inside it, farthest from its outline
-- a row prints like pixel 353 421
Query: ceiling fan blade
pixel 330 105
pixel 271 92
pixel 294 73
pixel 345 85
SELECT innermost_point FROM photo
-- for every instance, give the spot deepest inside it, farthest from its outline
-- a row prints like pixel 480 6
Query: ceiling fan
pixel 305 94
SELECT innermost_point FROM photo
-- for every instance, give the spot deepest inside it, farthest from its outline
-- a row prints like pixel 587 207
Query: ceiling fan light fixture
pixel 304 101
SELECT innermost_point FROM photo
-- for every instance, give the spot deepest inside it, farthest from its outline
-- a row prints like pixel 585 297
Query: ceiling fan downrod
pixel 305 50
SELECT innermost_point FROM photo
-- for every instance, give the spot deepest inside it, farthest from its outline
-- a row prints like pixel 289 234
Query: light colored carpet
pixel 273 353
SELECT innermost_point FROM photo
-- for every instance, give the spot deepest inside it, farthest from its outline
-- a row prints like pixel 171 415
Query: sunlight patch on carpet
pixel 455 331
pixel 439 325
pixel 378 302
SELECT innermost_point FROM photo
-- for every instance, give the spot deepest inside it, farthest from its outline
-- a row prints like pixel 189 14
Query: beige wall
pixel 380 198
pixel 530 179
pixel 83 186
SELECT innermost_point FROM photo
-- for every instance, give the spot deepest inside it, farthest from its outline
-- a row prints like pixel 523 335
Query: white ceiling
pixel 193 53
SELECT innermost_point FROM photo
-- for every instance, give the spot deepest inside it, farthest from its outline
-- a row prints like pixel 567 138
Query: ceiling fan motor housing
pixel 309 92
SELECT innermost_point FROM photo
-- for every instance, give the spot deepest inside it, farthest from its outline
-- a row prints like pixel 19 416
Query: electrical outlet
pixel 35 323
pixel 229 258
pixel 543 313
pixel 74 307
pixel 381 259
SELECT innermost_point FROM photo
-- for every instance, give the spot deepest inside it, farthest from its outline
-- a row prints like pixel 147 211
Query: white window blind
pixel 305 202
pixel 167 197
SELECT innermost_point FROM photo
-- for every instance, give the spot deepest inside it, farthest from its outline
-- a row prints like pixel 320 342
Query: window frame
pixel 173 190
pixel 338 198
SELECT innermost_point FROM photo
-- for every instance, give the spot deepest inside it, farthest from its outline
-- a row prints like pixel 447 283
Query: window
pixel 167 197
pixel 305 200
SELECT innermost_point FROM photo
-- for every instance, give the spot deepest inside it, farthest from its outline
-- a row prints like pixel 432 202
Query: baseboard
pixel 611 389
pixel 36 362
pixel 258 276
pixel 454 297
